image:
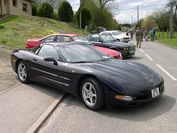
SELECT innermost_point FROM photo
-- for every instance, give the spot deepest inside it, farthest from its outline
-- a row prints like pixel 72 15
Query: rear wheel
pixel 92 94
pixel 22 72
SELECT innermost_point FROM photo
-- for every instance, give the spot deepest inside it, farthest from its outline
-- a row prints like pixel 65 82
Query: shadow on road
pixel 143 112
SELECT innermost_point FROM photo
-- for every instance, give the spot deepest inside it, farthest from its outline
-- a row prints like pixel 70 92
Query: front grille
pixel 144 97
pixel 131 48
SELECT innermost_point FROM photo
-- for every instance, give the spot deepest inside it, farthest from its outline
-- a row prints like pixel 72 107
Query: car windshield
pixel 108 38
pixel 81 54
pixel 79 38
pixel 116 33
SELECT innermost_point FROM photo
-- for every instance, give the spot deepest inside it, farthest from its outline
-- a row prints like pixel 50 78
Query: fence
pixel 165 34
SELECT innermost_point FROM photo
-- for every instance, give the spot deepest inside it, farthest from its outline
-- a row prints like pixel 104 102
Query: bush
pixel 34 11
pixel 3 41
pixel 45 10
pixel 2 26
pixel 85 17
pixel 65 11
pixel 55 16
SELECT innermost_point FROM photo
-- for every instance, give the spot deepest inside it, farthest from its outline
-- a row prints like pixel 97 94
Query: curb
pixel 36 125
pixel 10 88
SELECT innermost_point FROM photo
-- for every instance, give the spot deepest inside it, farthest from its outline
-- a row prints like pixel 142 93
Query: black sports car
pixel 80 69
pixel 108 41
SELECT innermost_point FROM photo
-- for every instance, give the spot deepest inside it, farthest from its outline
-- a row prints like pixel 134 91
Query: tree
pixel 86 17
pixel 65 11
pixel 104 18
pixel 147 23
pixel 45 10
pixel 161 17
pixel 54 3
pixel 175 10
pixel 34 10
pixel 102 3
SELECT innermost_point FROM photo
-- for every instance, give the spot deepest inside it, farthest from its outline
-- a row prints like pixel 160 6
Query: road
pixel 155 117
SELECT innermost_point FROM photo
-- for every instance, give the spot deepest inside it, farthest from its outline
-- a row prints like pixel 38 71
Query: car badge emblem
pixel 150 81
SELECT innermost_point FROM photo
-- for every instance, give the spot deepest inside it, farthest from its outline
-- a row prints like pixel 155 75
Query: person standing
pixel 131 34
pixel 146 35
pixel 152 34
pixel 138 36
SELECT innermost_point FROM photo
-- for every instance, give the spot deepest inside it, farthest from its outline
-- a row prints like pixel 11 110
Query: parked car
pixel 119 35
pixel 80 69
pixel 100 29
pixel 107 41
pixel 30 43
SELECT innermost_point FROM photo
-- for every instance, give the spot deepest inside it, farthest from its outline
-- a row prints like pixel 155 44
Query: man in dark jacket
pixel 138 36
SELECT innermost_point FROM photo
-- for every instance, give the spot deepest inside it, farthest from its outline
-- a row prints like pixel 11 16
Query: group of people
pixel 129 33
pixel 139 36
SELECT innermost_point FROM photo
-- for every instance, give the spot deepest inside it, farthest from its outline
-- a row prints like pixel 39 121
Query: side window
pixel 63 39
pixel 48 50
pixel 94 39
pixel 49 39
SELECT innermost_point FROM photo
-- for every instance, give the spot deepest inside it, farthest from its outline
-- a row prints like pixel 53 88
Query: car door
pixel 96 41
pixel 47 68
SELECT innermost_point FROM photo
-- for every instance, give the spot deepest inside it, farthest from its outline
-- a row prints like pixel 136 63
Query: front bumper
pixel 130 53
pixel 111 100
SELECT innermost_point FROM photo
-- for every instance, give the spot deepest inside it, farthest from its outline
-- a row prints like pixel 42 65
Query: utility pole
pixel 132 19
pixel 80 12
pixel 171 18
pixel 138 15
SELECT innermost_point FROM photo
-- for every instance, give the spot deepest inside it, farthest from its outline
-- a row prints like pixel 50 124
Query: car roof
pixel 65 43
pixel 94 35
pixel 61 34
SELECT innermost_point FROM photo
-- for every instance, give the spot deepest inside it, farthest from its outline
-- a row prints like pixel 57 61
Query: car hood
pixel 122 35
pixel 122 70
pixel 107 51
pixel 122 44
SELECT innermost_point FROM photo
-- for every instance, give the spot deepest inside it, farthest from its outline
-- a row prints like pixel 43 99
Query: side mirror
pixel 51 59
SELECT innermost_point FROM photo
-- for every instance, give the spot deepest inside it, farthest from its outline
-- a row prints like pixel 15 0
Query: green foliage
pixel 159 18
pixel 104 18
pixel 10 18
pixel 100 17
pixel 34 10
pixel 3 41
pixel 85 17
pixel 45 10
pixel 65 11
pixel 55 16
pixel 21 28
pixel 2 26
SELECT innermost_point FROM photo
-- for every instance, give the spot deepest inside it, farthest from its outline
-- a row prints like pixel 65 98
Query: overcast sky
pixel 128 8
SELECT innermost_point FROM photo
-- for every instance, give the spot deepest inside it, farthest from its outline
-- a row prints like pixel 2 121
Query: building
pixel 16 7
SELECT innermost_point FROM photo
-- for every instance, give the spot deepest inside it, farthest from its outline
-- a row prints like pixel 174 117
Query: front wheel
pixel 92 94
pixel 22 72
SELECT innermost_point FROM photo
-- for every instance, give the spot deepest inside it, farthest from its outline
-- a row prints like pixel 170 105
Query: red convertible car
pixel 30 43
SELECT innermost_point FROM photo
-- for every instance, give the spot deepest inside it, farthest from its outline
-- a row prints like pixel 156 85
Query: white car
pixel 120 36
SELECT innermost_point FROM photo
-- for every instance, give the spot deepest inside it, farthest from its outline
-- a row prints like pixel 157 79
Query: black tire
pixel 92 94
pixel 22 72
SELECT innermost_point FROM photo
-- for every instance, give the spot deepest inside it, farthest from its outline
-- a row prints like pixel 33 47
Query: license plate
pixel 132 51
pixel 155 92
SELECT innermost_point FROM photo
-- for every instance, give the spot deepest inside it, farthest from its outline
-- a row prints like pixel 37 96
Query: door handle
pixel 34 59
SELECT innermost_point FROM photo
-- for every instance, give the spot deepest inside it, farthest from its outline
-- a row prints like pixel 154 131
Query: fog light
pixel 123 97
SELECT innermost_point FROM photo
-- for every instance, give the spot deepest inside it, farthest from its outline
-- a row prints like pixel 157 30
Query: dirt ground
pixel 8 77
